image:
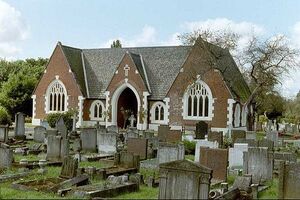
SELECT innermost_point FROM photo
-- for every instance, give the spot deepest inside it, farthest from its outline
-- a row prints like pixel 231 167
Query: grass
pixel 144 193
pixel 96 164
pixel 271 192
pixel 260 135
pixel 189 157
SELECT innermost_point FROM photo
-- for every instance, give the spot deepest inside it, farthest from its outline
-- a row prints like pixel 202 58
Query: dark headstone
pixel 138 146
pixel 163 130
pixel 3 133
pixel 201 130
pixel 88 138
pixel 215 159
pixel 39 134
pixel 235 134
pixel 19 125
pixel 174 136
pixel 289 181
pixel 61 127
pixel 6 156
pixel 69 167
pixel 216 136
pixel 266 143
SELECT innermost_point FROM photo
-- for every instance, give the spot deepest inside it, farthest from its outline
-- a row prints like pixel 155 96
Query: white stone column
pixel 230 114
pixel 107 108
pixel 80 111
pixel 145 110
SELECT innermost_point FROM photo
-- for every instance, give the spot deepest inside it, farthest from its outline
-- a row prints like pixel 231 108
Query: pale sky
pixel 31 28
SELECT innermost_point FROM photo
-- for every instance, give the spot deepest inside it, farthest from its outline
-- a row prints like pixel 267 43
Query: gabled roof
pixel 162 64
pixel 74 59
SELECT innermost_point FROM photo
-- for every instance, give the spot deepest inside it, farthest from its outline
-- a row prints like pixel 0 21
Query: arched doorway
pixel 127 105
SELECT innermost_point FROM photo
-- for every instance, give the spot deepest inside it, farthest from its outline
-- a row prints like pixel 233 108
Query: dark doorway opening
pixel 127 105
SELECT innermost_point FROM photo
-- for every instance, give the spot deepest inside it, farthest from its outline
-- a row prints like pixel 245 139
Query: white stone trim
pixel 145 107
pixel 174 127
pixel 230 103
pixel 36 122
pixel 153 127
pixel 117 72
pixel 80 111
pixel 145 72
pixel 237 115
pixel 210 100
pixel 33 106
pixel 152 113
pixel 91 123
pixel 107 107
pixel 244 115
pixel 224 130
pixel 167 112
pixel 84 73
pixel 92 114
pixel 47 109
pixel 114 103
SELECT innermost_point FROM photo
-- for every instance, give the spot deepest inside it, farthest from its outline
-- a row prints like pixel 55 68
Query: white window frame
pixel 244 115
pixel 152 112
pixel 92 109
pixel 210 102
pixel 237 115
pixel 47 97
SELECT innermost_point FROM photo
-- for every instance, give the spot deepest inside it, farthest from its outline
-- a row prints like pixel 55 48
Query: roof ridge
pixel 71 47
pixel 148 47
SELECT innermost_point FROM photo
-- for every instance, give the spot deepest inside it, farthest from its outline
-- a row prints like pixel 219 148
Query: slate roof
pixel 158 66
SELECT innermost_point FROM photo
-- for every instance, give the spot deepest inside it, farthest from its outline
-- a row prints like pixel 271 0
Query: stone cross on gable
pixel 126 69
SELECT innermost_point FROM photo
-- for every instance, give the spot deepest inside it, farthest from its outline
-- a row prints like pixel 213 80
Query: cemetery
pixel 82 163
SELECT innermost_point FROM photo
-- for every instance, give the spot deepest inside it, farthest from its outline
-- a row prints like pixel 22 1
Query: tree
pixel 116 44
pixel 263 62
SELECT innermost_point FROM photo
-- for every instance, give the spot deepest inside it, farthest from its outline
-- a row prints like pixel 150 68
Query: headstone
pixel 88 138
pixel 112 128
pixel 69 167
pixel 273 136
pixel 235 134
pixel 107 142
pixel 201 130
pixel 168 152
pixel 251 135
pixel 242 182
pixel 289 181
pixel 204 143
pixel 217 160
pixel 77 145
pixel 184 179
pixel 148 134
pixel 163 130
pixel 174 136
pixel 295 129
pixel 54 148
pixel 4 133
pixel 61 127
pixel 65 147
pixel 132 133
pixel 138 146
pixel 19 125
pixel 39 134
pixel 266 143
pixel 250 142
pixel 287 157
pixel 6 156
pixel 258 161
pixel 127 160
pixel 51 132
pixel 236 155
pixel 216 136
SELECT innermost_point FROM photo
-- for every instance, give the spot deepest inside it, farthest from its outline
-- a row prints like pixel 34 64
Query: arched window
pixel 244 115
pixel 198 102
pixel 97 110
pixel 158 112
pixel 237 115
pixel 56 98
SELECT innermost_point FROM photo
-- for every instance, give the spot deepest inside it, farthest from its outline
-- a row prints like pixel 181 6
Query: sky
pixel 31 28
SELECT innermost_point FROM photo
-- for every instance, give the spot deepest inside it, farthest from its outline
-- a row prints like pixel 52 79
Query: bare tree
pixel 263 62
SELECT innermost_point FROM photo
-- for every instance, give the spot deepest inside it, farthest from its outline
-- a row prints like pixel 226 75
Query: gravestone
pixel 215 159
pixel 168 152
pixel 236 154
pixel 6 156
pixel 51 132
pixel 163 130
pixel 107 142
pixel 19 125
pixel 39 134
pixel 295 129
pixel 235 134
pixel 4 133
pixel 201 130
pixel 148 134
pixel 127 160
pixel 61 127
pixel 288 157
pixel 57 148
pixel 69 167
pixel 258 161
pixel 88 138
pixel 184 179
pixel 273 136
pixel 132 133
pixel 250 135
pixel 216 136
pixel 77 145
pixel 289 181
pixel 174 136
pixel 113 129
pixel 266 143
pixel 250 142
pixel 138 146
pixel 204 143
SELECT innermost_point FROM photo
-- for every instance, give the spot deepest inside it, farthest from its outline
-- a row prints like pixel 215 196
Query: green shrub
pixel 52 118
pixel 189 147
pixel 4 116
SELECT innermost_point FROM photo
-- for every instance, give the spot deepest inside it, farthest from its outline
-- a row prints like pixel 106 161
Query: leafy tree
pixel 116 44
